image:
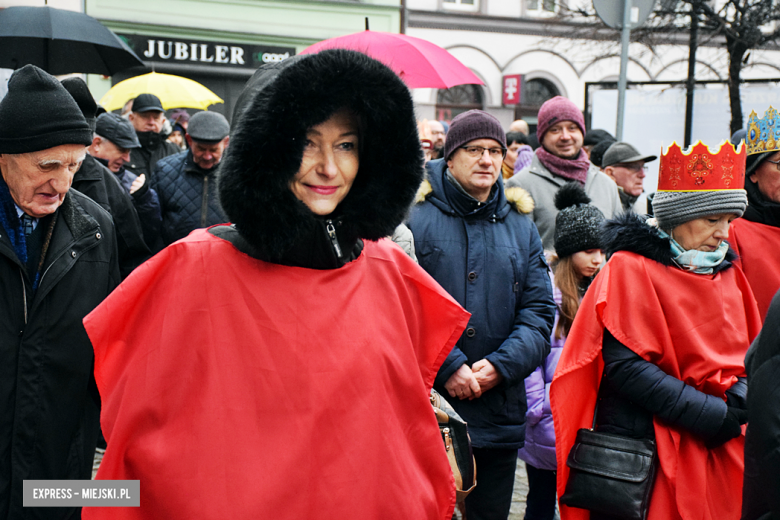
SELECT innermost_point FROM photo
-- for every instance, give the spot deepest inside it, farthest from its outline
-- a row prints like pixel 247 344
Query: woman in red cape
pixel 756 236
pixel 280 367
pixel 660 339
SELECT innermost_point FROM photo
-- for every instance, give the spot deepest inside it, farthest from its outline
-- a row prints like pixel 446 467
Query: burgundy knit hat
pixel 556 110
pixel 474 124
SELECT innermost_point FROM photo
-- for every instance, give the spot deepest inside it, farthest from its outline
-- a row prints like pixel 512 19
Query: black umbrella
pixel 61 42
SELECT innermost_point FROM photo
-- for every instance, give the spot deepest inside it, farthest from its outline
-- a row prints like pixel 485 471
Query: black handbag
pixel 457 443
pixel 611 474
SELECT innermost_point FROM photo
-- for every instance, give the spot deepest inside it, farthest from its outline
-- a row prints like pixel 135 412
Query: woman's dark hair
pixel 516 137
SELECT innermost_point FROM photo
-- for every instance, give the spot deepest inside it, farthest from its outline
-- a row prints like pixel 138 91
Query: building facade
pixel 549 54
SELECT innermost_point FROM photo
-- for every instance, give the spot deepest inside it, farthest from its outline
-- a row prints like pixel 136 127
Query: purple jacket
pixel 525 155
pixel 539 449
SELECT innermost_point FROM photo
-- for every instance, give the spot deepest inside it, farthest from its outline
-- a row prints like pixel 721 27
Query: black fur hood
pixel 630 232
pixel 279 104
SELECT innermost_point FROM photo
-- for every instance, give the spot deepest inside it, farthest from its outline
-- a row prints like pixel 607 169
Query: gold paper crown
pixel 763 135
pixel 699 169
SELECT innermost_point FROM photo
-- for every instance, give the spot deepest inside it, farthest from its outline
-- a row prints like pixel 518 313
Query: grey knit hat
pixel 474 124
pixel 578 223
pixel 672 208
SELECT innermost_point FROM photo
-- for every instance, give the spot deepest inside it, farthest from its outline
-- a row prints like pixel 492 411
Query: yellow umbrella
pixel 173 91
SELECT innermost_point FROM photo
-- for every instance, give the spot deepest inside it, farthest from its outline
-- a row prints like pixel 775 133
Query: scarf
pixel 760 209
pixel 699 262
pixel 573 169
pixel 506 171
pixel 12 223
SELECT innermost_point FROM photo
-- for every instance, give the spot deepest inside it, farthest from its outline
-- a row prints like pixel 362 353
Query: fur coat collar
pixel 629 232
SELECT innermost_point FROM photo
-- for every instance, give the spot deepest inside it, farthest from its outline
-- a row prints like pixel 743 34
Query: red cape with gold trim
pixel 758 247
pixel 696 328
pixel 238 389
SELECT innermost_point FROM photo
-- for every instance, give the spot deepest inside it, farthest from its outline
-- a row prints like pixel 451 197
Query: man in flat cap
pixel 96 182
pixel 186 182
pixel 626 166
pixel 147 117
pixel 114 139
pixel 58 260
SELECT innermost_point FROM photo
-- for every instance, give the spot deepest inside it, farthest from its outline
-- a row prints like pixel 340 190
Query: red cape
pixel 234 388
pixel 696 328
pixel 758 246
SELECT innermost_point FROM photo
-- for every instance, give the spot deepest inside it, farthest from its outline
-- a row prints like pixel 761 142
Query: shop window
pixel 456 100
pixel 461 5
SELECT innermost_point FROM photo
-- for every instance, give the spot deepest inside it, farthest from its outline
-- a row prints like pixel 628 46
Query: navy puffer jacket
pixel 489 258
pixel 188 197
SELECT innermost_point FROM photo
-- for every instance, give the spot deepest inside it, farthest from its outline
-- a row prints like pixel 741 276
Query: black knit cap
pixel 38 113
pixel 79 90
pixel 577 226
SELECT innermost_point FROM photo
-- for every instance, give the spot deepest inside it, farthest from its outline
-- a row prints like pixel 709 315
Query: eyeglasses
pixel 477 151
pixel 776 163
pixel 634 167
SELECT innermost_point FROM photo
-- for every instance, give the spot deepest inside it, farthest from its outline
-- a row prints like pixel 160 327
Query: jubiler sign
pixel 194 52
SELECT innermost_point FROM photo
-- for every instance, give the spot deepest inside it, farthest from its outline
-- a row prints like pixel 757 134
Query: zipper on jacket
pixel 332 234
pixel 204 205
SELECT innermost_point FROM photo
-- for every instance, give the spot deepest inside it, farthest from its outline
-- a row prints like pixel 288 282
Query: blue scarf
pixel 699 262
pixel 12 223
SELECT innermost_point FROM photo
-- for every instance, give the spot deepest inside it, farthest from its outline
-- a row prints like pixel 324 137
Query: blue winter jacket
pixel 188 196
pixel 489 258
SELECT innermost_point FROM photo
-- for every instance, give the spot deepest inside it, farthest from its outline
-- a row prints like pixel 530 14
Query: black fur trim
pixel 629 232
pixel 281 102
pixel 570 194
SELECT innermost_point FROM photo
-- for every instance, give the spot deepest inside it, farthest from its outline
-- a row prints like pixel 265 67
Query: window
pixel 541 7
pixel 456 100
pixel 535 92
pixel 461 5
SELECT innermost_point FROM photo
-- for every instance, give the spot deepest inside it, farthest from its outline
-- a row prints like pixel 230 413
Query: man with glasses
pixel 627 167
pixel 561 159
pixel 476 240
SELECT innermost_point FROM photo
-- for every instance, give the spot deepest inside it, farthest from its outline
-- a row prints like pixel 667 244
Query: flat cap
pixel 208 127
pixel 624 153
pixel 118 130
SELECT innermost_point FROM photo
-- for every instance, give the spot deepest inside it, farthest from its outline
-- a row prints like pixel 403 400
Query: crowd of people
pixel 224 306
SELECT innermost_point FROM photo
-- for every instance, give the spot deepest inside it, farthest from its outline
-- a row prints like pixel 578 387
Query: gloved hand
pixel 737 395
pixel 730 429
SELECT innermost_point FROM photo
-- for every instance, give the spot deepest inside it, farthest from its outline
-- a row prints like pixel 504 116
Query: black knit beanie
pixel 471 125
pixel 79 90
pixel 37 113
pixel 578 222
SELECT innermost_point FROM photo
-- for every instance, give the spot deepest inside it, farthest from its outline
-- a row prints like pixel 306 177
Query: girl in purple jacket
pixel 578 259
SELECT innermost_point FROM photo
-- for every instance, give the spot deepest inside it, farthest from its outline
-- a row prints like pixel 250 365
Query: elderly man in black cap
pixel 147 117
pixel 58 260
pixel 626 166
pixel 186 182
pixel 114 139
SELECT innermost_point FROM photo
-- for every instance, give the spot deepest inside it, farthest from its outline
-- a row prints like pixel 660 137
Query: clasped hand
pixel 470 382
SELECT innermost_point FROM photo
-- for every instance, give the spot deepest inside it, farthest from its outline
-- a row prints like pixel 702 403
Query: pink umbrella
pixel 420 63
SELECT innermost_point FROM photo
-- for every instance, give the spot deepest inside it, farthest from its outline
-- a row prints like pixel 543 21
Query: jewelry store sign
pixel 196 52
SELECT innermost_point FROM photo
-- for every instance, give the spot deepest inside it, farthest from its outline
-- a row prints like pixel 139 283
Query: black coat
pixel 99 184
pixel 761 492
pixel 632 389
pixel 49 406
pixel 153 148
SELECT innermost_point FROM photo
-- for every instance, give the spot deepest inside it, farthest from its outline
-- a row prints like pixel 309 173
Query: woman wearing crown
pixel 660 339
pixel 756 236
